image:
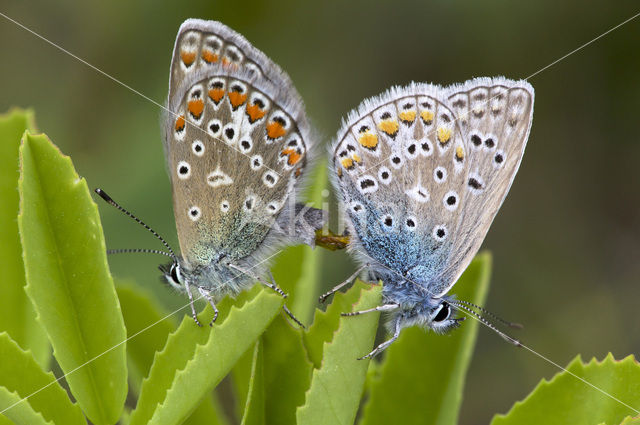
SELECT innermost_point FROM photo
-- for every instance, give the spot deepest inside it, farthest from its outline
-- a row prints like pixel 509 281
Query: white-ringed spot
pixel 194 213
pixel 184 170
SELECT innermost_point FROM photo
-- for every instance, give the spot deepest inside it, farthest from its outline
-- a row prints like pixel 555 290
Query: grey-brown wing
pixel 495 116
pixel 201 45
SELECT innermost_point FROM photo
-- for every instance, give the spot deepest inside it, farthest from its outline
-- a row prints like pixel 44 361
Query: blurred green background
pixel 566 243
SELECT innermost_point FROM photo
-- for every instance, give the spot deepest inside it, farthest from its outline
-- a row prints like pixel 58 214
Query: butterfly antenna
pixel 492 315
pixel 137 250
pixel 113 203
pixel 485 322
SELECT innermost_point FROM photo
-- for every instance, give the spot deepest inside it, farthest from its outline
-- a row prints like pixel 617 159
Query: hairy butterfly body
pixel 421 172
pixel 236 142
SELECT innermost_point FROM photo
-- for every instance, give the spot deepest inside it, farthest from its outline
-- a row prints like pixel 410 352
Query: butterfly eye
pixel 174 273
pixel 443 313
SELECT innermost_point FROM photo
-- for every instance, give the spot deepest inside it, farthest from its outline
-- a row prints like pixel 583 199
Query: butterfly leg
pixel 336 288
pixel 193 307
pixel 380 348
pixel 274 287
pixel 384 307
pixel 205 293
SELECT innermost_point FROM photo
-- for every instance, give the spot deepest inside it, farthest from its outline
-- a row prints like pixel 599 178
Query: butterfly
pixel 237 142
pixel 421 172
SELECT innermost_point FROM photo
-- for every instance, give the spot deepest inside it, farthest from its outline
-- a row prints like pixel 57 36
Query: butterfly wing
pixel 394 162
pixel 409 178
pixel 495 116
pixel 236 141
pixel 202 44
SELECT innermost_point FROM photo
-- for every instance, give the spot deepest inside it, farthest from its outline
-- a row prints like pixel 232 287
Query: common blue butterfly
pixel 421 172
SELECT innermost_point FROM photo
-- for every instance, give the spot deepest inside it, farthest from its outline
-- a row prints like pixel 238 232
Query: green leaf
pixel 6 421
pixel 148 327
pixel 195 359
pixel 16 312
pixel 208 412
pixel 20 374
pixel 337 386
pixel 569 400
pixel 22 413
pixel 68 280
pixel 418 358
pixel 254 406
pixel 326 322
pixel 287 373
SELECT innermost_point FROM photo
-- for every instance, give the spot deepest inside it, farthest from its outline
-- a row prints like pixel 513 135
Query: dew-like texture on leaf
pixel 20 374
pixel 16 312
pixel 194 359
pixel 68 280
pixel 568 400
pixel 337 386
pixel 421 378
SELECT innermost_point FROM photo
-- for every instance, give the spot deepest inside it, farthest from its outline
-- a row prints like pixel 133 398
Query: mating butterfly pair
pixel 420 171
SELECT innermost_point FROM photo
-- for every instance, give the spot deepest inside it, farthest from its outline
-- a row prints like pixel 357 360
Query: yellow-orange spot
pixel 339 172
pixel 237 98
pixel 356 157
pixel 444 135
pixel 180 123
pixel 298 172
pixel 407 116
pixel 254 112
pixel 459 152
pixel 293 155
pixel 188 57
pixel 209 57
pixel 275 130
pixel 225 61
pixel 347 163
pixel 216 94
pixel 196 107
pixel 389 126
pixel 427 116
pixel 368 140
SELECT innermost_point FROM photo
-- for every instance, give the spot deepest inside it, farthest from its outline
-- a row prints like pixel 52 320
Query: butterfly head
pixel 436 314
pixel 217 276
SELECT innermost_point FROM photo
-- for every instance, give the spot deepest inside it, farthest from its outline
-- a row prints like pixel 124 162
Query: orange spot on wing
pixel 444 135
pixel 196 107
pixel 188 57
pixel 459 152
pixel 368 140
pixel 209 57
pixel 275 130
pixel 293 155
pixel 347 163
pixel 357 158
pixel 225 61
pixel 237 99
pixel 180 123
pixel 254 112
pixel 407 116
pixel 389 126
pixel 216 94
pixel 427 116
